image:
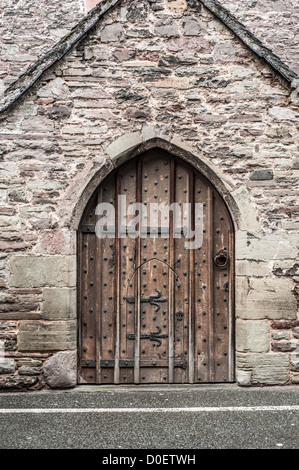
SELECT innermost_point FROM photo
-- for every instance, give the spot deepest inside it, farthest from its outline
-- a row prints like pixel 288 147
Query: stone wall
pixel 29 30
pixel 192 83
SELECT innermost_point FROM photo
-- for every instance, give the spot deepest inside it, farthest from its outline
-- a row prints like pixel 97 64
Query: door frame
pixel 198 165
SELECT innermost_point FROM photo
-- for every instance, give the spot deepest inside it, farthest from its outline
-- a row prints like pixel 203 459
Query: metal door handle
pixel 221 259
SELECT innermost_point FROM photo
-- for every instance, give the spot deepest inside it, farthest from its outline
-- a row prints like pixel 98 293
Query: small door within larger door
pixel 153 307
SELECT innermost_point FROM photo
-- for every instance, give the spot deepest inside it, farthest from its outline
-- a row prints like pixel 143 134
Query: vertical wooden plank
pixel 210 285
pixel 231 360
pixel 98 300
pixel 79 304
pixel 222 289
pixel 138 296
pixel 127 267
pixel 171 302
pixel 191 283
pixel 117 276
pixel 181 267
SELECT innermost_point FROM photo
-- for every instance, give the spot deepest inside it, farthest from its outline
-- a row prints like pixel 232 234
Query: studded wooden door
pixel 152 309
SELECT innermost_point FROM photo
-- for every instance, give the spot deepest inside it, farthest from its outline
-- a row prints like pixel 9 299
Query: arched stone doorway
pixel 151 308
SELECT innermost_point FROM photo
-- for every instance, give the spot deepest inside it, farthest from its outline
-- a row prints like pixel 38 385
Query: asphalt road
pixel 150 417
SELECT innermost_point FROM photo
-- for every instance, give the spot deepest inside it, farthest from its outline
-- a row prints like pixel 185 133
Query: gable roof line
pixel 249 39
pixel 58 51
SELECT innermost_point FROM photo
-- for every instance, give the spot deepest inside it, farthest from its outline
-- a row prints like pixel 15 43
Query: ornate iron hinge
pixel 152 300
pixel 156 336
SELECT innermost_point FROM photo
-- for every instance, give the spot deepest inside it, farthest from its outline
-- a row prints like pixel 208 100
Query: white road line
pixel 200 409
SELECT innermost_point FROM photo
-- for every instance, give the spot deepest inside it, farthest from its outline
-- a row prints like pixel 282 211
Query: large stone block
pixel 33 271
pixel 248 215
pixel 266 369
pixel 266 247
pixel 47 336
pixel 252 336
pixel 261 298
pixel 252 268
pixel 60 371
pixel 59 303
pixel 123 143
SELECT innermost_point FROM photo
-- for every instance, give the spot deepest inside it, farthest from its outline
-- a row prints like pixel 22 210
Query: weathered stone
pixel 294 362
pixel 59 304
pixel 247 217
pixel 29 370
pixel 257 246
pixel 135 113
pixel 224 53
pixel 39 124
pixel 60 371
pixel 17 382
pixel 189 45
pixel 295 378
pixel 284 325
pixel 261 175
pixel 137 11
pixel 177 6
pixel 281 334
pixel 261 298
pixel 54 89
pixel 166 28
pixel 29 362
pixel 7 366
pixel 16 195
pixel 46 336
pixel 252 336
pixel 296 332
pixel 30 271
pixel 122 144
pixel 244 378
pixel 192 26
pixel 284 114
pixel 284 346
pixel 267 369
pixel 112 33
pixel 252 268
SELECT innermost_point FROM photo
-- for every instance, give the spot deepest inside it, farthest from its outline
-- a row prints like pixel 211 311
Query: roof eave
pixel 250 40
pixel 58 51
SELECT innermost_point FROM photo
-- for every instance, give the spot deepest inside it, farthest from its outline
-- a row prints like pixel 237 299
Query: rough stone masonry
pixel 150 71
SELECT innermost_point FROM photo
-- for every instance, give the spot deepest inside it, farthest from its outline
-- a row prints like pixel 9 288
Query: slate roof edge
pixel 35 71
pixel 250 40
pixel 58 51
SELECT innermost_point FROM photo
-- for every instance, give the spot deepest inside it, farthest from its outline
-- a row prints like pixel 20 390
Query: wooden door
pixel 152 310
